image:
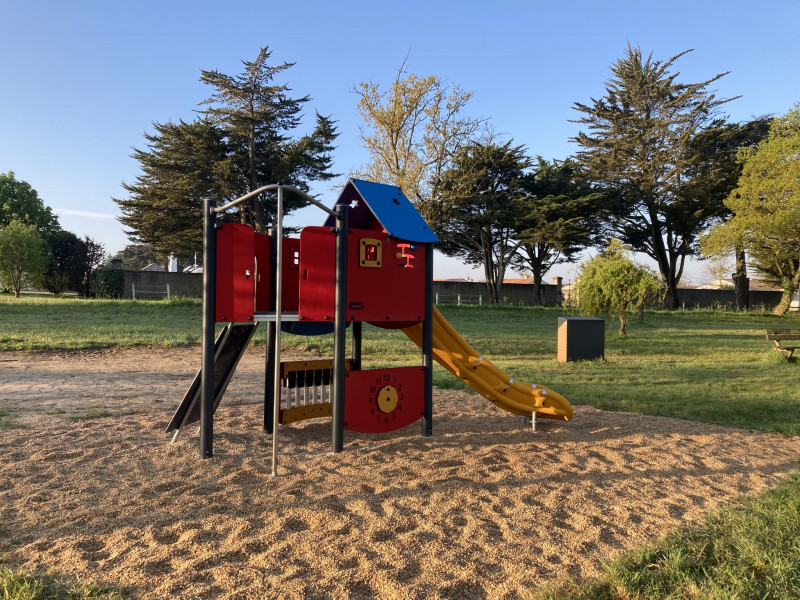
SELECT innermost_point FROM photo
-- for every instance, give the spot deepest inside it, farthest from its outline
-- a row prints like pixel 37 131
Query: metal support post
pixel 357 335
pixel 339 329
pixel 276 378
pixel 209 309
pixel 269 367
pixel 269 376
pixel 427 345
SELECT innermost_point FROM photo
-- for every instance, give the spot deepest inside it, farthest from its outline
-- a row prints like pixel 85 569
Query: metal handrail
pixel 269 188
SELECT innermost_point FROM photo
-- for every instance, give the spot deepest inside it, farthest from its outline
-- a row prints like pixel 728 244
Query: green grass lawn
pixel 700 365
pixel 35 324
pixel 17 585
pixel 748 550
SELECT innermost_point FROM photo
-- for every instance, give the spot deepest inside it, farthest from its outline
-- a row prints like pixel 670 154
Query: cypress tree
pixel 241 140
pixel 555 218
pixel 638 146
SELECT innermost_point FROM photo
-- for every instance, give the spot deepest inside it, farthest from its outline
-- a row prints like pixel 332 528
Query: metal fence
pixel 143 291
pixel 457 299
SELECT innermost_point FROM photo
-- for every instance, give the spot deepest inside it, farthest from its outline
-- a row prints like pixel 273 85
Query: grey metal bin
pixel 581 338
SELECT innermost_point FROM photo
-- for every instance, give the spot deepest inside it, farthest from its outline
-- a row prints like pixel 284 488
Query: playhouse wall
pixel 236 277
pixel 385 277
pixel 290 284
pixel 262 248
pixel 243 282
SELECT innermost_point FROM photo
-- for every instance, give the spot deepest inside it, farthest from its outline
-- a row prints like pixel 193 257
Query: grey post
pixel 209 308
pixel 427 345
pixel 339 329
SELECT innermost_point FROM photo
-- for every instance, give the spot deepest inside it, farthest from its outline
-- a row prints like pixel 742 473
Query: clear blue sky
pixel 84 80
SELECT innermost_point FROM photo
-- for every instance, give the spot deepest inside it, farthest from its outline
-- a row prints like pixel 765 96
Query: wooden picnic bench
pixel 782 336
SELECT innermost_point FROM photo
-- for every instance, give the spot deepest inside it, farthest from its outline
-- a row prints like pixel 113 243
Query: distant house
pixel 154 267
pixel 727 284
pixel 569 291
pixel 716 284
pixel 527 280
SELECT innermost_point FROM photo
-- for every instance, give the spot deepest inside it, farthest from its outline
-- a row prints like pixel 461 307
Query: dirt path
pixel 484 509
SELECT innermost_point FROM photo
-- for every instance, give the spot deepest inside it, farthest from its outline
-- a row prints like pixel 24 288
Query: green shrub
pixel 108 283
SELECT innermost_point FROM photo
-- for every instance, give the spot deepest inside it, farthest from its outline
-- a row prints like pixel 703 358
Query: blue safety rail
pixel 389 205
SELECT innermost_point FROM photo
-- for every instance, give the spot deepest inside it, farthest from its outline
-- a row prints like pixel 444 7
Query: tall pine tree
pixel 242 140
pixel 183 164
pixel 478 200
pixel 556 218
pixel 258 117
pixel 638 147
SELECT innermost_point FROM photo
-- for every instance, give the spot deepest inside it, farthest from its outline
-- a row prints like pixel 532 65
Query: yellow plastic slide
pixel 454 353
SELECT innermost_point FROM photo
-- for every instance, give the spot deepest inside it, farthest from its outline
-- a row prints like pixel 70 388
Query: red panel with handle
pixel 263 251
pixel 235 281
pixel 317 273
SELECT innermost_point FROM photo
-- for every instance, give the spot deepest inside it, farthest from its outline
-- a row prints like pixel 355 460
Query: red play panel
pixel 379 400
pixel 385 277
pixel 263 250
pixel 290 285
pixel 317 273
pixel 235 281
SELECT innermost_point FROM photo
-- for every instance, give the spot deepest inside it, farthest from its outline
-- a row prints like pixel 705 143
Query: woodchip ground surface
pixel 483 509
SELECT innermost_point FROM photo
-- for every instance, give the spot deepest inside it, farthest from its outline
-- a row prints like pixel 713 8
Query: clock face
pixel 386 398
pixel 379 400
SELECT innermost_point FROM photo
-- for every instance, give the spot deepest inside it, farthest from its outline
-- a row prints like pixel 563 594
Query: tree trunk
pixel 537 289
pixel 783 305
pixel 490 283
pixel 258 217
pixel 671 300
pixel 674 277
pixel 741 283
pixel 666 265
pixel 494 291
pixel 786 298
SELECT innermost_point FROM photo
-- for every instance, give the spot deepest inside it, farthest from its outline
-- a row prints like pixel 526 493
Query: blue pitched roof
pixel 389 205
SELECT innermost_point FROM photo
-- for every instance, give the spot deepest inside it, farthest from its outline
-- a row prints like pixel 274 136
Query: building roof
pixel 389 205
pixel 154 267
pixel 756 285
pixel 717 284
pixel 458 280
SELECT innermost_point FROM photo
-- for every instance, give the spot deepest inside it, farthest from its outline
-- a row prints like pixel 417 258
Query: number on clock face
pixel 385 398
pixel 381 400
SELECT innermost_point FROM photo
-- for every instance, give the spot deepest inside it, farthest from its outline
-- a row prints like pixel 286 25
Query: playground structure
pixel 371 262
